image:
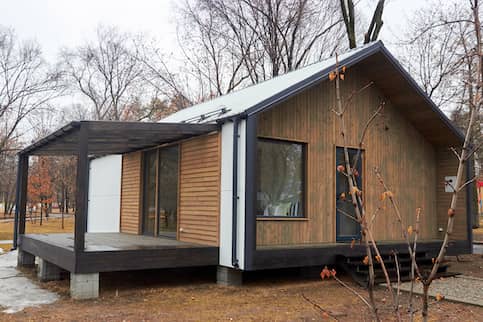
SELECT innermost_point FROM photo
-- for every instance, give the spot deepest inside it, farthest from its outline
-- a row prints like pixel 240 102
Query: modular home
pixel 248 181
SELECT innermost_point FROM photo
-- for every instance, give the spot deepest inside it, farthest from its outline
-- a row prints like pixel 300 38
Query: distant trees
pixel 26 85
pixel 107 72
pixel 39 187
pixel 231 44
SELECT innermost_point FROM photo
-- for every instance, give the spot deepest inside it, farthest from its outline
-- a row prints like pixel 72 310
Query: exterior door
pixel 346 228
pixel 160 192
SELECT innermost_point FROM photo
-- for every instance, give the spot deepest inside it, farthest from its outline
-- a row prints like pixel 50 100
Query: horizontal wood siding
pixel 405 158
pixel 447 166
pixel 199 190
pixel 131 193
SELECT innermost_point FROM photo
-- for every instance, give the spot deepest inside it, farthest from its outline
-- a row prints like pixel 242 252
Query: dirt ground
pixel 192 295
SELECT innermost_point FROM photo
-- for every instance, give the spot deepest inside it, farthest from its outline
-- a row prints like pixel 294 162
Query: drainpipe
pixel 469 203
pixel 234 259
pixel 17 214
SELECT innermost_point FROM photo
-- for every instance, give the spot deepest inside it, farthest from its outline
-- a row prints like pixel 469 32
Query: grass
pixel 52 225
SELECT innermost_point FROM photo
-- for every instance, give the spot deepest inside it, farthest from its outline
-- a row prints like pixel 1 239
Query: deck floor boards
pixel 106 252
pixel 113 241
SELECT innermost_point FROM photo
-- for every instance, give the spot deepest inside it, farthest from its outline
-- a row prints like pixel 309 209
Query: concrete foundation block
pixel 229 276
pixel 25 259
pixel 84 286
pixel 47 271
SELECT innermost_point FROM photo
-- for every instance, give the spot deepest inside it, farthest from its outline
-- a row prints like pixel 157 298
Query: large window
pixel 280 178
pixel 160 192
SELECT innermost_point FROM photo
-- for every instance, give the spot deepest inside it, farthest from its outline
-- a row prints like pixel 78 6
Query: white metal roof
pixel 240 101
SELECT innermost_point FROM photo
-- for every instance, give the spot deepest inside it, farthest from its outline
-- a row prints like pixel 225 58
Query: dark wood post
pixel 21 197
pixel 250 191
pixel 82 188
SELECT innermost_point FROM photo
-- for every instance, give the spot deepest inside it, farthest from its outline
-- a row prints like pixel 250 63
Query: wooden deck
pixel 107 252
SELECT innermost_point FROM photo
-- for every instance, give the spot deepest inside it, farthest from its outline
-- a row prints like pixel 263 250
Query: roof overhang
pixel 381 67
pixel 114 137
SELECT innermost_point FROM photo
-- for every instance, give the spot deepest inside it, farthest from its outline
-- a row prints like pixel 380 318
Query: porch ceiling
pixel 113 137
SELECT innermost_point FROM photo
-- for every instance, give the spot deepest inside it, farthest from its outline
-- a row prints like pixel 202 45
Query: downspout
pixel 234 220
pixel 469 204
pixel 17 214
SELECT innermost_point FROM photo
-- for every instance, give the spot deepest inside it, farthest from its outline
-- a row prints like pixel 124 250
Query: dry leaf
pixel 340 168
pixel 343 69
pixel 432 260
pixel 325 273
pixel 355 190
pixel 341 76
pixel 410 230
pixel 389 194
pixel 378 258
pixel 366 260
pixel 451 212
pixel 439 297
pixel 382 196
pixel 342 196
pixel 331 76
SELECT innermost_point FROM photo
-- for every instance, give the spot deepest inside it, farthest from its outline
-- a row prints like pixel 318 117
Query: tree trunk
pixel 425 302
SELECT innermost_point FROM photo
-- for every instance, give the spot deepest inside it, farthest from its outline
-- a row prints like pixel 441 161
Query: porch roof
pixel 113 137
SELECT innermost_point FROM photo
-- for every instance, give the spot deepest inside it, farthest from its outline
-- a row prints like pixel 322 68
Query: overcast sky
pixel 58 23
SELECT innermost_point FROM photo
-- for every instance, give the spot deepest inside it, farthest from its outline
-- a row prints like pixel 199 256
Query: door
pixel 160 192
pixel 346 228
pixel 168 191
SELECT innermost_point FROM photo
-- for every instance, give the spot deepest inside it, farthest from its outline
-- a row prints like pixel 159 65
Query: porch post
pixel 21 197
pixel 250 191
pixel 82 187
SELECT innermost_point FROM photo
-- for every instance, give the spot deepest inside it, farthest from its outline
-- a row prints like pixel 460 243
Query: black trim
pixel 250 191
pixel 319 255
pixel 234 206
pixel 20 198
pixel 82 189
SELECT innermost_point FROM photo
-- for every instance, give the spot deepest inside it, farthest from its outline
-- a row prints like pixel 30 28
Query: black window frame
pixel 303 200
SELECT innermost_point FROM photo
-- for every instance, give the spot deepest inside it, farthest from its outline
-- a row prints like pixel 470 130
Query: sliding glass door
pixel 168 191
pixel 160 192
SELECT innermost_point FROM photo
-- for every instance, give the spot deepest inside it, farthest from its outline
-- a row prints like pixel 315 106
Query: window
pixel 280 178
pixel 160 191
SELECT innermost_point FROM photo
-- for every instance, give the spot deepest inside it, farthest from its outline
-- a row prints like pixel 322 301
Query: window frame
pixel 304 198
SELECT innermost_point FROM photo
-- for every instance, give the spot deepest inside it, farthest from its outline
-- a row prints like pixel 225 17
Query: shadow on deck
pixel 109 252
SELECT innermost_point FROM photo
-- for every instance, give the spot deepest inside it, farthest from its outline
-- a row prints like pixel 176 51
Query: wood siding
pixel 406 159
pixel 199 190
pixel 131 193
pixel 447 166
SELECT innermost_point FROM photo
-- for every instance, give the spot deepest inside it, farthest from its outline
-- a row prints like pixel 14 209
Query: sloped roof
pixel 242 100
pixel 373 59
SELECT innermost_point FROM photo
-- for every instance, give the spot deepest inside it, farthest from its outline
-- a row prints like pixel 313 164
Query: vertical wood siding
pixel 199 190
pixel 406 159
pixel 447 166
pixel 131 193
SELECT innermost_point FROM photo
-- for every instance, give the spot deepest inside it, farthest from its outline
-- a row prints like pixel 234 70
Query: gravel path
pixel 464 289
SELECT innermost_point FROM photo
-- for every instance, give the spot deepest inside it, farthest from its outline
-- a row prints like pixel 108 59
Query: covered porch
pixel 84 254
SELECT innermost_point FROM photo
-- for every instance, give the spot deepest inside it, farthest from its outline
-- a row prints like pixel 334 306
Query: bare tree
pixel 348 13
pixel 108 72
pixel 231 44
pixel 26 85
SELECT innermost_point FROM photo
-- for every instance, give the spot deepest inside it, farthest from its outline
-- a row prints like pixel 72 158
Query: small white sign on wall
pixel 449 183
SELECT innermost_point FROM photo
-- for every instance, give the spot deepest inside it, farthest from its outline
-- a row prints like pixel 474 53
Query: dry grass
pixel 52 225
pixel 162 295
